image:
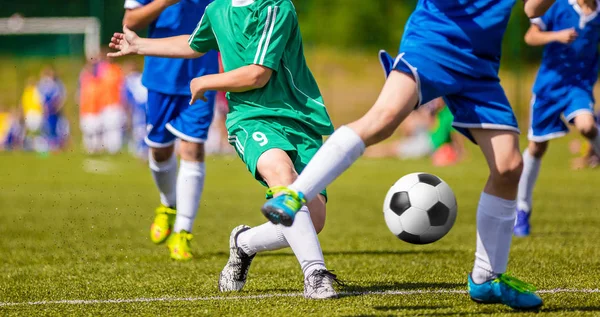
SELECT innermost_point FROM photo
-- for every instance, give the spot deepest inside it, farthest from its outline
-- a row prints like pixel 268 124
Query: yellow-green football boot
pixel 163 224
pixel 179 245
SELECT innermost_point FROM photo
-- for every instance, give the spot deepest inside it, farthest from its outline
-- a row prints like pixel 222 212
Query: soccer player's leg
pixel 404 90
pixel 251 139
pixel 484 115
pixel 163 163
pixel 580 112
pixel 269 155
pixel 191 126
pixel 546 124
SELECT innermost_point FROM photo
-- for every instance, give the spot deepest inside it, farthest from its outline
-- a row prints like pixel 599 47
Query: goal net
pixel 89 27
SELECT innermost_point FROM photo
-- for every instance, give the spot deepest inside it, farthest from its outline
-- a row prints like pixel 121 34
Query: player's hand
pixel 566 36
pixel 197 90
pixel 124 43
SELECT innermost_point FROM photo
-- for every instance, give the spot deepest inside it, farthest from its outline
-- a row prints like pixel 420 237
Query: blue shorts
pixel 171 116
pixel 549 115
pixel 476 103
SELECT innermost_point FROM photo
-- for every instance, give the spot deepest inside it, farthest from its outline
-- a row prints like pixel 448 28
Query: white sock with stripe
pixel 165 178
pixel 190 184
pixel 531 170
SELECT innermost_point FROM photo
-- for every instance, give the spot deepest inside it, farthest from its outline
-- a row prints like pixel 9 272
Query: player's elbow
pixel 537 8
pixel 259 76
pixel 529 39
pixel 132 22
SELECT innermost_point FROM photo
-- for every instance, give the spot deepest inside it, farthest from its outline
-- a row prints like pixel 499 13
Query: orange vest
pixel 111 81
pixel 89 93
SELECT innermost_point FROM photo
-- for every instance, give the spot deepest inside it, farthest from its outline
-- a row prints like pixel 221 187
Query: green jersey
pixel 263 32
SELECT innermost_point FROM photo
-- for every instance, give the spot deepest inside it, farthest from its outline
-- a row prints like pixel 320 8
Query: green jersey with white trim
pixel 263 32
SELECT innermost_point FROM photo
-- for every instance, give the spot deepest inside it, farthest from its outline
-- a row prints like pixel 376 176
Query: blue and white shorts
pixel 550 114
pixel 476 103
pixel 171 116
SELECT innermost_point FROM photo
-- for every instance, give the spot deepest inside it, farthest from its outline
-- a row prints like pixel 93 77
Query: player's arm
pixel 537 8
pixel 245 78
pixel 536 36
pixel 139 16
pixel 129 43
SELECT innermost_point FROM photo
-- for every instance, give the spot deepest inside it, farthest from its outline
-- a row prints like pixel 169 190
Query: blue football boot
pixel 282 209
pixel 505 290
pixel 522 226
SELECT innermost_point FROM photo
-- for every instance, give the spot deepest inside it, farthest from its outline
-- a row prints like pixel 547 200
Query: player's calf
pixel 537 149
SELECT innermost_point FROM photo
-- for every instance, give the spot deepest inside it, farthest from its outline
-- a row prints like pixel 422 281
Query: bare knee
pixel 588 129
pixel 507 171
pixel 537 149
pixel 162 154
pixel 192 152
pixel 276 168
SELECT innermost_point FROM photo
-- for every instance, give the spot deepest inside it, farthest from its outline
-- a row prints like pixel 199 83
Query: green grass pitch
pixel 76 228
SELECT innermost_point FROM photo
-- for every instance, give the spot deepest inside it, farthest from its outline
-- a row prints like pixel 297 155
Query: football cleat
pixel 163 224
pixel 522 226
pixel 319 285
pixel 179 245
pixel 282 209
pixel 505 290
pixel 234 274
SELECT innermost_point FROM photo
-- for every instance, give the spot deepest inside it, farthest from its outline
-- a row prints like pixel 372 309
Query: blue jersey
pixel 168 75
pixel 52 92
pixel 465 35
pixel 568 65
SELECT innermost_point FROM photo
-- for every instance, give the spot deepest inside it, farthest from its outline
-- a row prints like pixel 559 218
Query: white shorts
pixel 90 124
pixel 33 121
pixel 114 118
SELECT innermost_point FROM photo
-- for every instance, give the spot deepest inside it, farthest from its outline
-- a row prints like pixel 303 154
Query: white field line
pixel 228 298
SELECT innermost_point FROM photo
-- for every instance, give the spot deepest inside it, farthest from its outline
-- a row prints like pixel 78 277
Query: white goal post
pixel 88 26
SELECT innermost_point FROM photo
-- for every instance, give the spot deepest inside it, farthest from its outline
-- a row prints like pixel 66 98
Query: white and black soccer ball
pixel 420 208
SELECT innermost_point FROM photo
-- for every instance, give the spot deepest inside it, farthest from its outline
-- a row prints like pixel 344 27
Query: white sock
pixel 531 170
pixel 113 140
pixel 340 151
pixel 495 222
pixel 266 237
pixel 303 240
pixel 596 143
pixel 165 178
pixel 190 184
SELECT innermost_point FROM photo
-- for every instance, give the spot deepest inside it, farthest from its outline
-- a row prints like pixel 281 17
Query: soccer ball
pixel 420 208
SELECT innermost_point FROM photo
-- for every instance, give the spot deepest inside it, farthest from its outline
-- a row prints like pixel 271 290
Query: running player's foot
pixel 522 226
pixel 234 274
pixel 282 209
pixel 319 285
pixel 506 290
pixel 179 245
pixel 163 224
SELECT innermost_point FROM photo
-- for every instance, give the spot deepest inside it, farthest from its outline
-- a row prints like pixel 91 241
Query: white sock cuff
pixel 507 207
pixel 192 168
pixel 352 141
pixel 162 166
